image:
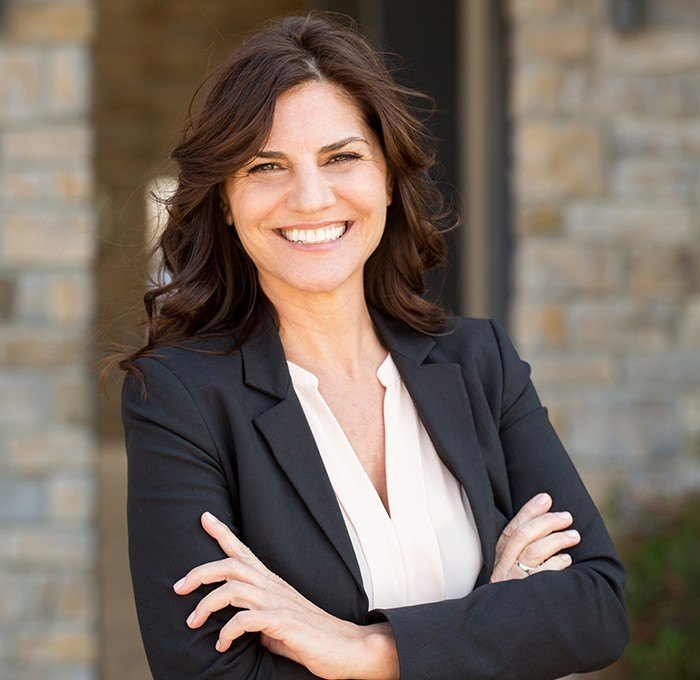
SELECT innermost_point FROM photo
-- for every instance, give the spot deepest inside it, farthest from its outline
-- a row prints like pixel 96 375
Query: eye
pixel 263 167
pixel 343 157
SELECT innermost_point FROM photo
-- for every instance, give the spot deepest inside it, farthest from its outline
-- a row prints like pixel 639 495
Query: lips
pixel 325 233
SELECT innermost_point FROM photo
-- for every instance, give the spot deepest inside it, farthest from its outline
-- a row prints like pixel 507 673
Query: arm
pixel 174 475
pixel 544 626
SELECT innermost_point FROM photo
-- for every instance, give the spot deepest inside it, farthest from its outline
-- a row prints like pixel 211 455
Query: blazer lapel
pixel 439 394
pixel 287 432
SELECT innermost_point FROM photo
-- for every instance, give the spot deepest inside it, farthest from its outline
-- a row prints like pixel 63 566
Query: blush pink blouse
pixel 428 548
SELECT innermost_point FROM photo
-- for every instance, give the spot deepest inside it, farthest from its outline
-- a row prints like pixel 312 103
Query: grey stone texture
pixel 48 557
pixel 606 303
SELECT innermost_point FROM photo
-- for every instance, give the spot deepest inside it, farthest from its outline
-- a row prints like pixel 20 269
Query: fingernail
pixel 542 499
pixel 572 533
pixel 210 517
pixel 566 558
pixel 190 619
pixel 563 515
pixel 218 646
pixel 180 583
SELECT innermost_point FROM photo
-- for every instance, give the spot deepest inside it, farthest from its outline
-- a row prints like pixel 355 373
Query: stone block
pixel 662 178
pixel 73 400
pixel 22 500
pixel 22 402
pixel 556 269
pixel 20 186
pixel 56 643
pixel 62 297
pixel 624 428
pixel 605 94
pixel 63 237
pixel 661 272
pixel 634 135
pixel 37 452
pixel 561 42
pixel 42 348
pixel 20 83
pixel 46 546
pixel 536 219
pixel 689 405
pixel 71 184
pixel 537 89
pixel 675 370
pixel 68 72
pixel 70 496
pixel 559 160
pixel 573 369
pixel 523 11
pixel 657 49
pixel 629 222
pixel 7 298
pixel 539 326
pixel 54 142
pixel 48 21
pixel 689 335
pixel 620 324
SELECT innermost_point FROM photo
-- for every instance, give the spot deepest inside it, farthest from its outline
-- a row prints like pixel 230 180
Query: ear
pixel 224 205
pixel 389 188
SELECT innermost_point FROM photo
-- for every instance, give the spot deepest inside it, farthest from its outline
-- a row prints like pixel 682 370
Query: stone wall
pixel 606 305
pixel 47 239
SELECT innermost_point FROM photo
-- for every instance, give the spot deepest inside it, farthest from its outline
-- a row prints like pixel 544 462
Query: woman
pixel 375 480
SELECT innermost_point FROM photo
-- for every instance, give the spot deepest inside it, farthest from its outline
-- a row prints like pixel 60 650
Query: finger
pixel 531 531
pixel 230 543
pixel 535 507
pixel 522 536
pixel 272 622
pixel 221 570
pixel 556 563
pixel 541 550
pixel 234 593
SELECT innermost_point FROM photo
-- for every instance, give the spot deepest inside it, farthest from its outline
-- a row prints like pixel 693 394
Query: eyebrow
pixel 334 146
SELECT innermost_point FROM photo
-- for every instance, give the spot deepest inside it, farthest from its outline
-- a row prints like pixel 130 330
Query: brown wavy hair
pixel 210 285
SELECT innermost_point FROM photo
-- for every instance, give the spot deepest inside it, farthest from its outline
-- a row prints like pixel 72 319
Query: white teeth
pixel 324 235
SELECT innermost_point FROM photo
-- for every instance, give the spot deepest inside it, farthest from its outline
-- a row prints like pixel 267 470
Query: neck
pixel 327 329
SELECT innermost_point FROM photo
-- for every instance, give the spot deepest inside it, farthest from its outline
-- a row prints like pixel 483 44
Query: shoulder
pixel 474 337
pixel 485 351
pixel 190 364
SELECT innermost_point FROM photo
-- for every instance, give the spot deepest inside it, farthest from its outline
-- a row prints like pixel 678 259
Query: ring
pixel 524 567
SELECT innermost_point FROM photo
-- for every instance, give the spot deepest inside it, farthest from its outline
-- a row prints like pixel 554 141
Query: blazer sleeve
pixel 174 475
pixel 551 623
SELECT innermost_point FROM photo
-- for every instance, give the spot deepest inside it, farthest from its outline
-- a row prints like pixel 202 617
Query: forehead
pixel 315 112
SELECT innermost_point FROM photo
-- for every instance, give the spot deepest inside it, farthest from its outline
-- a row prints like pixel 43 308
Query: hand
pixel 534 537
pixel 288 623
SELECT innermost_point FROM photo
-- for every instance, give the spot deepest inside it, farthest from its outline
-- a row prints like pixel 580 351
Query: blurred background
pixel 570 144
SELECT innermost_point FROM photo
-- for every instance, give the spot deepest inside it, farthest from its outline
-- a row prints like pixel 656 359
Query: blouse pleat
pixel 426 548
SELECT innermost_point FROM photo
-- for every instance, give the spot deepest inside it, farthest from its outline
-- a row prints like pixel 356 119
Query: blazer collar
pixel 264 361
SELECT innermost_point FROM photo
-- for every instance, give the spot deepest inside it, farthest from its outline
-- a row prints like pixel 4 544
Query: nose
pixel 310 192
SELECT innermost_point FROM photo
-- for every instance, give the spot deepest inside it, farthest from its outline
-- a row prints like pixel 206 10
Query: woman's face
pixel 311 207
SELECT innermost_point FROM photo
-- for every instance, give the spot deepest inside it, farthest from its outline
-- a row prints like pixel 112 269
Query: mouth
pixel 326 234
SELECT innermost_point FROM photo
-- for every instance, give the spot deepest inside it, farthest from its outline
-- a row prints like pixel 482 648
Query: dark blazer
pixel 227 434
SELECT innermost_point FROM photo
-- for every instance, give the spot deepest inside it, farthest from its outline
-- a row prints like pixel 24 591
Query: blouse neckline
pixel 301 377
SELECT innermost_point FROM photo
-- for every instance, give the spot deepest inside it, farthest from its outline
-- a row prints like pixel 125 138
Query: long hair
pixel 210 285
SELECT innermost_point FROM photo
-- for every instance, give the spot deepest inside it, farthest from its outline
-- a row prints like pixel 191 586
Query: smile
pixel 325 234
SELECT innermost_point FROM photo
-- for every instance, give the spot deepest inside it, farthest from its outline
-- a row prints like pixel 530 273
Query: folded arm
pixel 551 623
pixel 174 475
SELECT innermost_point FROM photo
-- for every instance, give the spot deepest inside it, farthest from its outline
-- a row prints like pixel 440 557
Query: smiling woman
pixel 329 475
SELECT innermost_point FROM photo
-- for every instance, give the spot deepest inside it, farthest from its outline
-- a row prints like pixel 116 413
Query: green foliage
pixel 661 550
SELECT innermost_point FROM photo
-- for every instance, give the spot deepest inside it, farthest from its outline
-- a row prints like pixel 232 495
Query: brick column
pixel 47 246
pixel 607 291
